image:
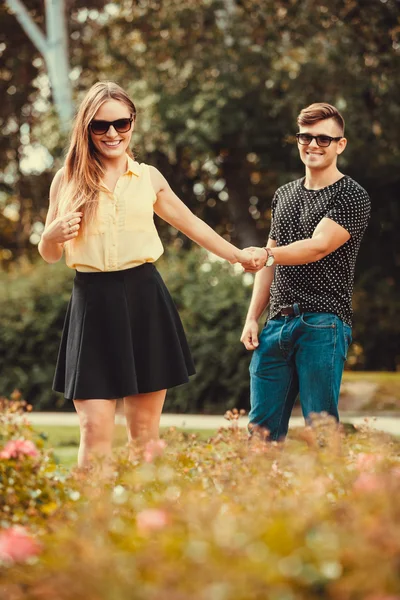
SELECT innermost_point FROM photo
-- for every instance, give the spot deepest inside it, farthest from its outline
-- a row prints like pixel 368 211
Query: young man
pixel 317 225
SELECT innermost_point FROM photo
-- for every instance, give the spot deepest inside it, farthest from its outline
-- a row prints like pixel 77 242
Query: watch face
pixel 270 261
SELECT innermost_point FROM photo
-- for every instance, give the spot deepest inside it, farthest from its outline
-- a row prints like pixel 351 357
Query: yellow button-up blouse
pixel 123 234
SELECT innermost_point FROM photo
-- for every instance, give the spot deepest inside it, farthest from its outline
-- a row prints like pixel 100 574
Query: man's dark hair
pixel 318 112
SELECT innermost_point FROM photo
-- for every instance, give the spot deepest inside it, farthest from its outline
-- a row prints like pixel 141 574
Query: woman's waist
pixel 101 255
pixel 136 270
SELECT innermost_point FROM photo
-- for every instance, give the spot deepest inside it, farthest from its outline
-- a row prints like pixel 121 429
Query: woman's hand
pixel 63 229
pixel 252 259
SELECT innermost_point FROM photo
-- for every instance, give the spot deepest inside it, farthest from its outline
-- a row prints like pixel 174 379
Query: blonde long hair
pixel 83 170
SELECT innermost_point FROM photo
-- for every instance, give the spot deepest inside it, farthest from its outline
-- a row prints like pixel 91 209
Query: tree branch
pixel 28 25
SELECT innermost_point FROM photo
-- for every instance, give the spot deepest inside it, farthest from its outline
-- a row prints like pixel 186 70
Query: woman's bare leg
pixel 96 421
pixel 143 412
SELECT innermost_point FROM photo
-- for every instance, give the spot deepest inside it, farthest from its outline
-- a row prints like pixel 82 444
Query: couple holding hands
pixel 123 337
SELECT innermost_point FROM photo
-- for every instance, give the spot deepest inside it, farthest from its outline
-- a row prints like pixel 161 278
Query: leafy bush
pixel 32 311
pixel 211 297
pixel 228 519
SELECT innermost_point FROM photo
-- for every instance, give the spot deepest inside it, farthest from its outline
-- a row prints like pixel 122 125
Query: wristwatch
pixel 270 258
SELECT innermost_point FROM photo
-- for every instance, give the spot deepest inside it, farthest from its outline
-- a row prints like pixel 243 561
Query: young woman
pixel 122 336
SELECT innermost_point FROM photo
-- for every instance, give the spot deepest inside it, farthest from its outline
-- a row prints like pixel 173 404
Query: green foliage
pixel 218 85
pixel 377 305
pixel 212 298
pixel 33 305
pixel 226 519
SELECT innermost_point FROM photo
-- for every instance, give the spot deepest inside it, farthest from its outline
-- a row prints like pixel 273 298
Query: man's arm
pixel 328 236
pixel 259 302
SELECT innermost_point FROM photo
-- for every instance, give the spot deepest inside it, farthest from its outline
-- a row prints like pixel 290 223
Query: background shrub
pixel 212 299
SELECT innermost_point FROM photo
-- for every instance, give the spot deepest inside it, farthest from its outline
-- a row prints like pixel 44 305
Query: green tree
pixel 218 85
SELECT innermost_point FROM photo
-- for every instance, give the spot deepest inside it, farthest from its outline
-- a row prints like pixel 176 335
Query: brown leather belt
pixel 289 311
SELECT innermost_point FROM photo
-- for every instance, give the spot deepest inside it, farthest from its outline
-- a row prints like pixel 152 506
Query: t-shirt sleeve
pixel 351 210
pixel 272 233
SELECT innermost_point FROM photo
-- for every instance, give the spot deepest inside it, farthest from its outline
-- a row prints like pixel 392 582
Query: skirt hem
pixel 118 396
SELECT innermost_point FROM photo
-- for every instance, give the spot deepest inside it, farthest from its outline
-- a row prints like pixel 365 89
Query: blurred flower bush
pixel 32 486
pixel 228 519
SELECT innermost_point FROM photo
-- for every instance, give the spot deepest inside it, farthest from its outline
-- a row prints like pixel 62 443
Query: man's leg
pixel 321 344
pixel 273 379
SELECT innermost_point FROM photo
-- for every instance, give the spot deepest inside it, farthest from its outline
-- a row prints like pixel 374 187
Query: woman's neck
pixel 116 165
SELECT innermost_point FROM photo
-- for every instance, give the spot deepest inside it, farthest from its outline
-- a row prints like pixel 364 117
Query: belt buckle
pixel 287 311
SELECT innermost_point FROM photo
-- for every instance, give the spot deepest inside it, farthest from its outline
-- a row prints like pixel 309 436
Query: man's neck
pixel 317 179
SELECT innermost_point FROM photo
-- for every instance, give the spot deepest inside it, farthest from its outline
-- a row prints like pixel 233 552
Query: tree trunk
pixel 57 61
pixel 236 182
pixel 54 49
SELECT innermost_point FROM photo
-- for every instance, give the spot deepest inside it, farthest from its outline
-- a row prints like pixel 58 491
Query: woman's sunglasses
pixel 99 127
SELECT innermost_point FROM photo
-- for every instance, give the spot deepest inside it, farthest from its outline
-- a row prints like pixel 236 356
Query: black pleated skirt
pixel 122 336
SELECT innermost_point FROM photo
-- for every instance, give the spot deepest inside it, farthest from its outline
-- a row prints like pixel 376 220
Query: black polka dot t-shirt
pixel 327 284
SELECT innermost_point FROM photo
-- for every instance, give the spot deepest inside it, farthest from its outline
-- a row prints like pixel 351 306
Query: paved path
pixel 388 424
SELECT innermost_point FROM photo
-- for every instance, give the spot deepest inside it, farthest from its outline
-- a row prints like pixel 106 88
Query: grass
pixel 379 392
pixel 64 440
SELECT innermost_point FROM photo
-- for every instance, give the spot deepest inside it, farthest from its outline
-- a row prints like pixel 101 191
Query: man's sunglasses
pixel 99 127
pixel 323 141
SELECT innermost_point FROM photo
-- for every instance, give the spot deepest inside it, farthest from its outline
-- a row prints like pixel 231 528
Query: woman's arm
pixel 57 230
pixel 170 208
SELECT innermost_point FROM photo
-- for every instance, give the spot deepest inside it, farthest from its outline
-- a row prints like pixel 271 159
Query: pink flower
pixel 366 462
pixel 396 473
pixel 320 486
pixel 151 519
pixel 367 482
pixel 16 545
pixel 383 597
pixel 18 449
pixel 153 449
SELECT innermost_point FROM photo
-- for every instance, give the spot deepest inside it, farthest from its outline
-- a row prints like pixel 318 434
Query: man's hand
pixel 250 334
pixel 259 256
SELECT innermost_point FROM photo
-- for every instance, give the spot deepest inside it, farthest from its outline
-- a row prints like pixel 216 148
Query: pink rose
pixel 18 449
pixel 151 519
pixel 16 545
pixel 367 482
pixel 396 471
pixel 320 486
pixel 153 449
pixel 383 597
pixel 366 462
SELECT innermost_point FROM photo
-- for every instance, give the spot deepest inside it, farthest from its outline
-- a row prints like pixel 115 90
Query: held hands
pixel 63 228
pixel 252 259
